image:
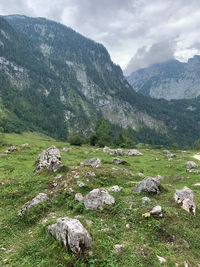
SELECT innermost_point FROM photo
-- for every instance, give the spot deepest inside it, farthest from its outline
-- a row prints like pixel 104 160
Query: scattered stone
pixel 78 197
pixel 190 164
pixel 25 145
pixel 161 259
pixel 127 226
pixel 133 152
pixel 58 176
pixel 70 191
pixel 49 159
pixel 90 174
pixel 140 174
pixel 65 149
pixel 36 200
pixel 149 185
pixel 106 149
pixel 193 171
pixel 155 212
pixel 185 197
pixel 105 230
pixel 145 200
pixel 197 184
pixel 79 217
pixel 156 159
pixel 76 176
pixel 119 161
pixel 97 198
pixel 11 149
pixel 118 248
pixel 165 151
pixel 89 222
pixel 114 188
pixel 94 162
pixel 170 155
pixel 81 184
pixel 117 151
pixel 72 233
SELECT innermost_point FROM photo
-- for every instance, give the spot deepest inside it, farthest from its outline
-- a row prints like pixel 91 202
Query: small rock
pixel 106 149
pixel 58 176
pixel 118 248
pixel 119 161
pixel 156 159
pixel 76 176
pixel 159 178
pixel 197 184
pixel 90 174
pixel 78 197
pixel 157 210
pixel 149 185
pixel 140 174
pixel 36 200
pixel 89 222
pixel 90 253
pixel 94 162
pixel 133 152
pixel 25 145
pixel 170 155
pixel 70 191
pixel 72 233
pixel 97 198
pixel 11 149
pixel 166 151
pixel 65 149
pixel 114 188
pixel 145 200
pixel 190 164
pixel 80 184
pixel 127 226
pixel 161 259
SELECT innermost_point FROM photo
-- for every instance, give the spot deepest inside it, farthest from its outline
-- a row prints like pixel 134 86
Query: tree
pixel 103 133
pixel 197 144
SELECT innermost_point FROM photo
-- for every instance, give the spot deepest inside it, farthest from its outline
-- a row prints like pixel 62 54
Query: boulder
pixel 49 159
pixel 133 152
pixel 11 149
pixel 36 200
pixel 149 185
pixel 115 188
pixel 185 197
pixel 65 149
pixel 119 161
pixel 155 212
pixel 190 164
pixel 106 149
pixel 94 162
pixel 117 151
pixel 97 198
pixel 71 233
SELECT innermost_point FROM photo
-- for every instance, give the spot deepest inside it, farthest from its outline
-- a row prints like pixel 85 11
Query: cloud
pixel 145 56
pixel 125 27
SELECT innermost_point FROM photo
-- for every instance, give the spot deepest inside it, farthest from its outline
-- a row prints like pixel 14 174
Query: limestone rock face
pixel 49 159
pixel 133 152
pixel 36 200
pixel 97 198
pixel 149 185
pixel 94 162
pixel 72 233
pixel 190 164
pixel 185 197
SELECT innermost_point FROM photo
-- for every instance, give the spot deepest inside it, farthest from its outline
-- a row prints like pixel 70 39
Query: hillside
pixel 25 242
pixel 168 80
pixel 56 81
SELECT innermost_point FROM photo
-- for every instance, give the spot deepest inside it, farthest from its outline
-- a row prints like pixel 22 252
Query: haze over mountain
pixel 169 80
pixel 56 81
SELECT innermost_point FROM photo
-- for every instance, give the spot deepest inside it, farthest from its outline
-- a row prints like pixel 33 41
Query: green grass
pixel 24 241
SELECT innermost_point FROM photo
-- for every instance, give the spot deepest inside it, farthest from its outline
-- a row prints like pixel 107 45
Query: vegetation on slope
pixel 25 242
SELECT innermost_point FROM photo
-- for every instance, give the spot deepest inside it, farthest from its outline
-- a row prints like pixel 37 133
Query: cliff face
pixel 169 80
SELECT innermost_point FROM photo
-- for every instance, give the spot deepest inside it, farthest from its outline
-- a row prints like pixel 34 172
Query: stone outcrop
pixel 149 185
pixel 185 197
pixel 190 164
pixel 97 198
pixel 71 233
pixel 133 152
pixel 93 162
pixel 49 159
pixel 36 200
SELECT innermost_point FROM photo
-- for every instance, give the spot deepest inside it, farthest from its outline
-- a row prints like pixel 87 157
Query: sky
pixel 137 33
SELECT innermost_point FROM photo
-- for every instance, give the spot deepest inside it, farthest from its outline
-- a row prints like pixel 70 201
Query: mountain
pixel 168 80
pixel 56 81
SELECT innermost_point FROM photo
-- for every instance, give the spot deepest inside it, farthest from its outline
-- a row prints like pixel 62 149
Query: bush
pixel 76 140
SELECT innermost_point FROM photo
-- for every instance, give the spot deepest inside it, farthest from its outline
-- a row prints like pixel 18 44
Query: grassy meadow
pixel 25 242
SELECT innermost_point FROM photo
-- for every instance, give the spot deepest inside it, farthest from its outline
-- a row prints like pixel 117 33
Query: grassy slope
pixel 24 241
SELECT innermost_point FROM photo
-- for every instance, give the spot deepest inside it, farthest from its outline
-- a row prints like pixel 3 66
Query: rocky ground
pixel 84 206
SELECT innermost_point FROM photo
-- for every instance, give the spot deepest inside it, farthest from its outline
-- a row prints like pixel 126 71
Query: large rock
pixel 71 233
pixel 133 152
pixel 97 198
pixel 149 185
pixel 94 162
pixel 117 151
pixel 190 164
pixel 49 159
pixel 36 200
pixel 185 197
